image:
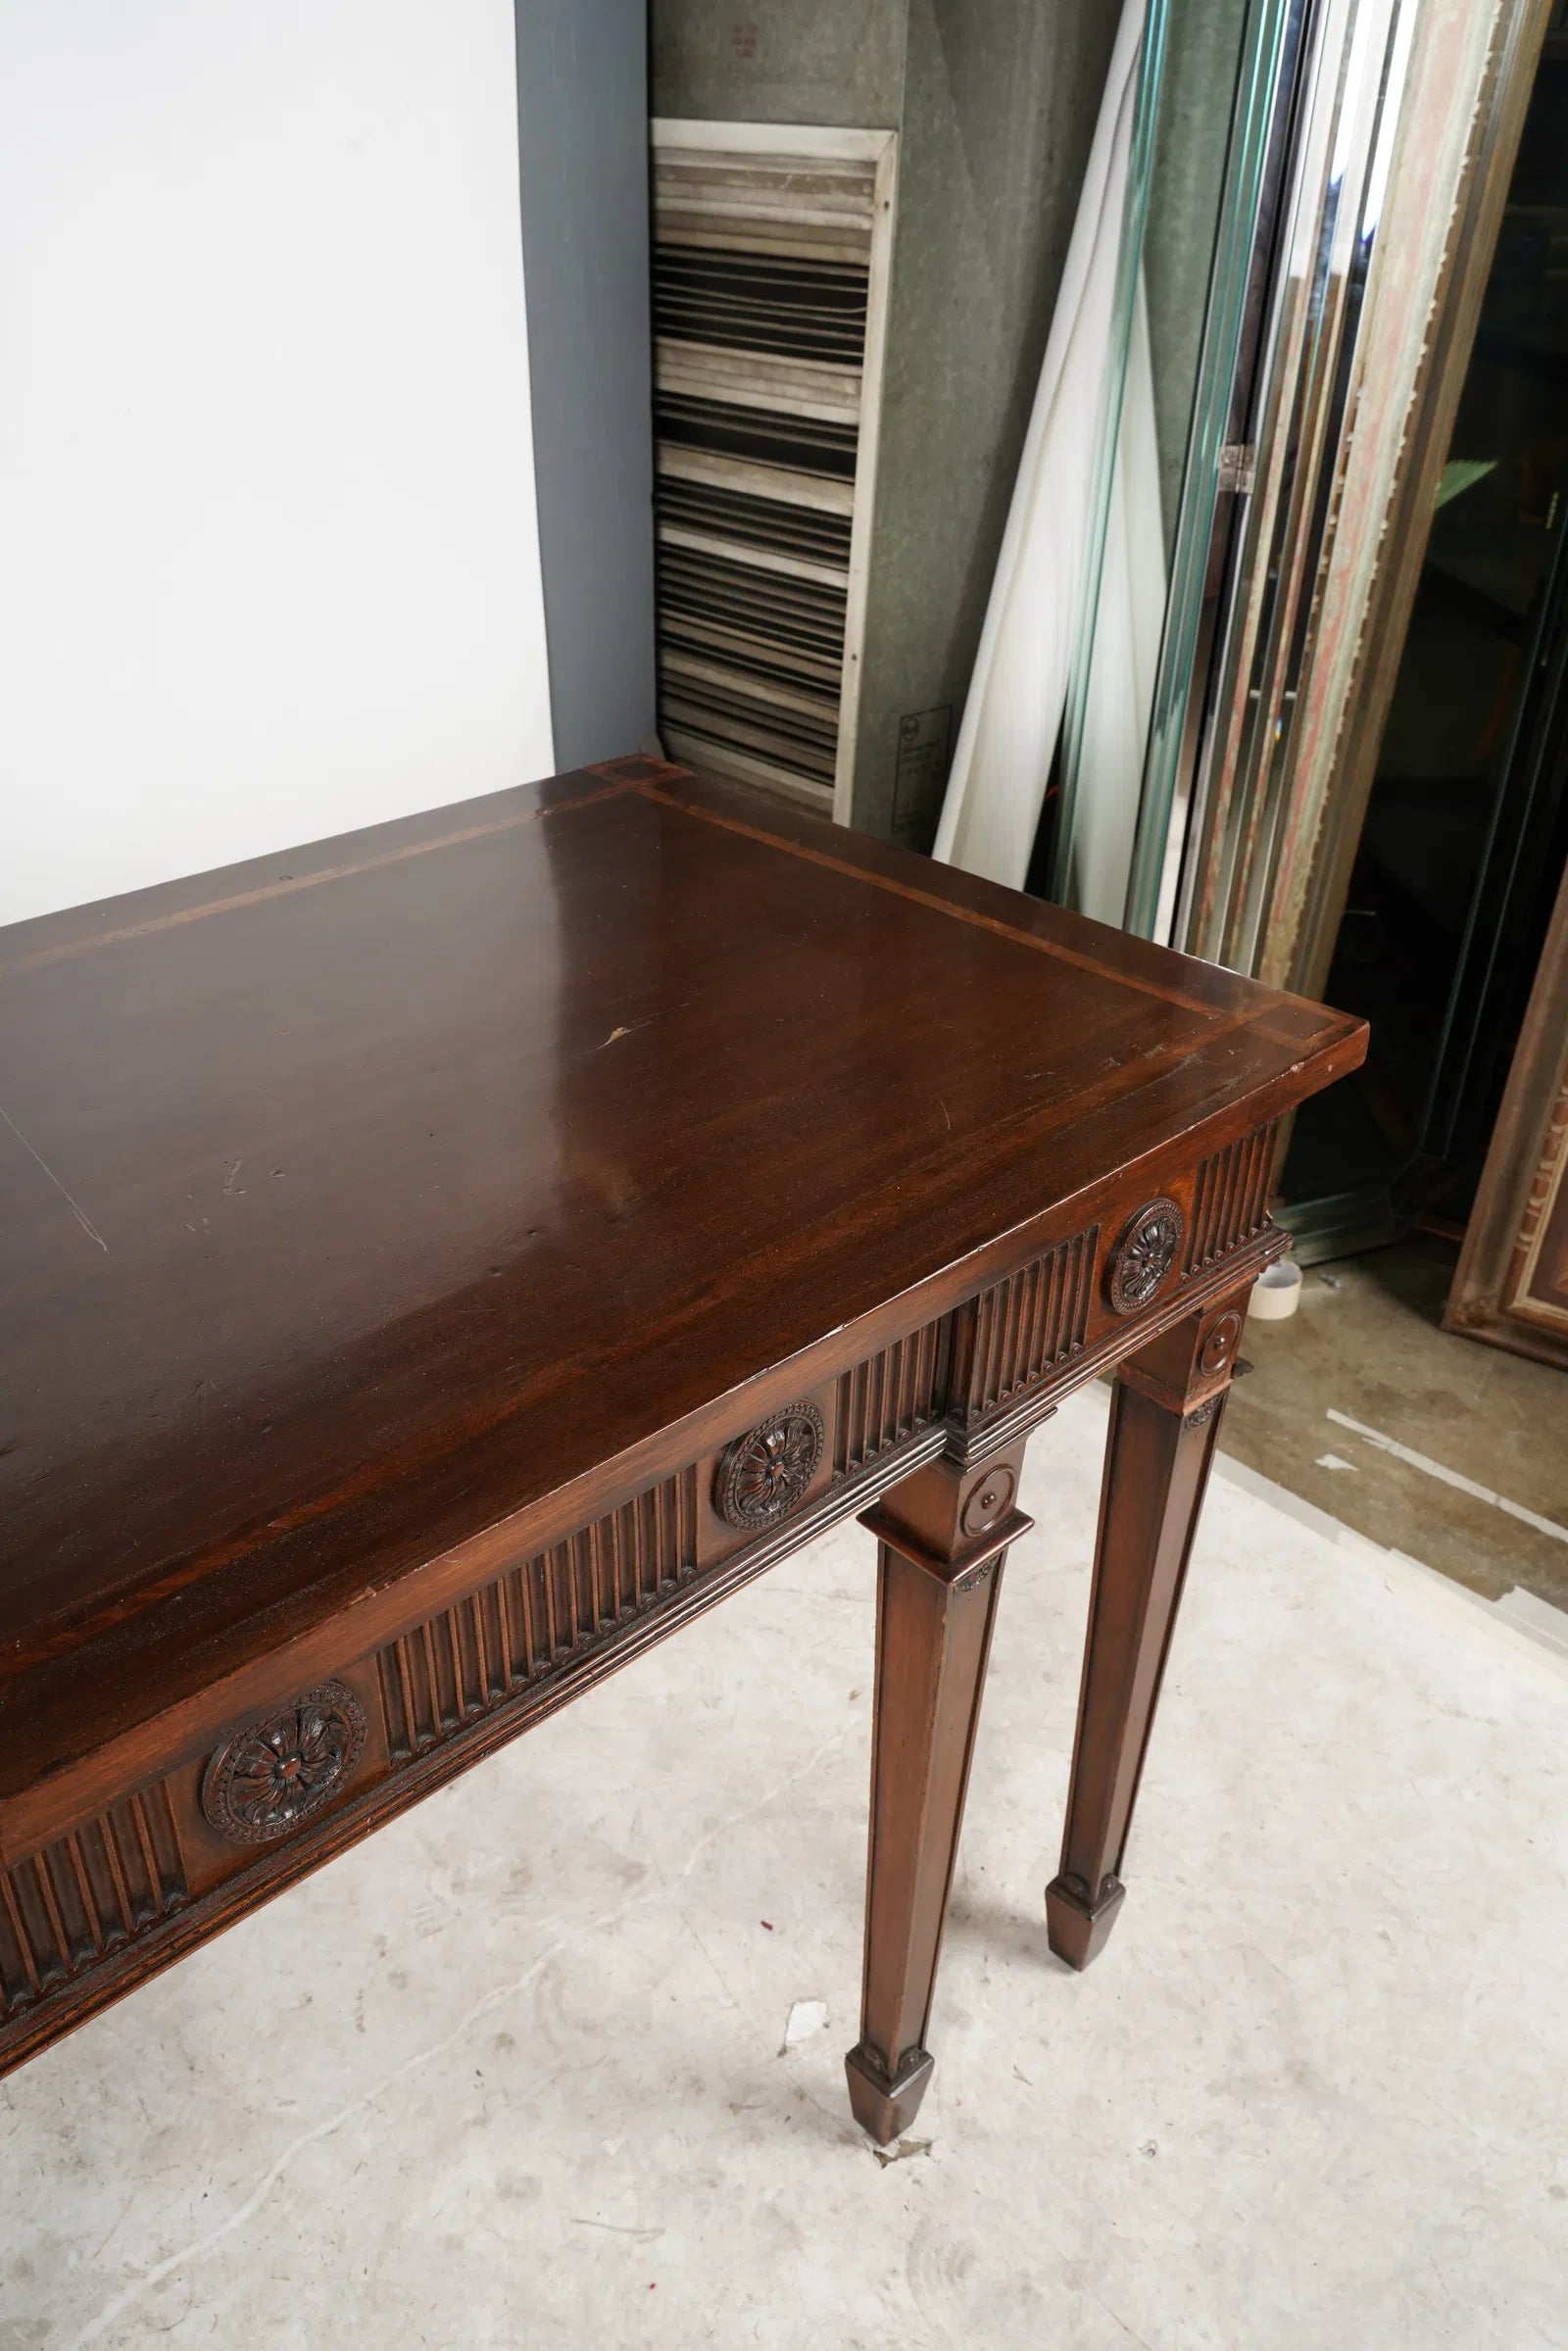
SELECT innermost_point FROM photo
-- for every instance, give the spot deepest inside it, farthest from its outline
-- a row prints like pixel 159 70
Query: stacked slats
pixel 761 274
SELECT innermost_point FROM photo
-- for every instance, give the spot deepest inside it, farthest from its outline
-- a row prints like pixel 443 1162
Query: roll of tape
pixel 1277 1292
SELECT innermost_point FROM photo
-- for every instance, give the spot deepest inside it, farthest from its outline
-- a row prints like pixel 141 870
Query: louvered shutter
pixel 771 257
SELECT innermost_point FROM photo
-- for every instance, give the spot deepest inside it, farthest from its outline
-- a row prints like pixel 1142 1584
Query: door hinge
pixel 1238 466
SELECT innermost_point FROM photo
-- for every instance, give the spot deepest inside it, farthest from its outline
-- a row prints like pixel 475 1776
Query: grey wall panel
pixel 582 138
pixel 817 61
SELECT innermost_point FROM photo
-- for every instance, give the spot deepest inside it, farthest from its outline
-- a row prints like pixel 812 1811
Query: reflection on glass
pixel 1183 208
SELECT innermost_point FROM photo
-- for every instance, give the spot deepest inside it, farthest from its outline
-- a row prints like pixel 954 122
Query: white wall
pixel 269 559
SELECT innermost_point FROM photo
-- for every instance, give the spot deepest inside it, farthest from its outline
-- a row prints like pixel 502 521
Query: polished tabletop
pixel 353 1199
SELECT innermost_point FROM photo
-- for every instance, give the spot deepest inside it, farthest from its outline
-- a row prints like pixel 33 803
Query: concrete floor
pixel 514 2073
pixel 1367 1342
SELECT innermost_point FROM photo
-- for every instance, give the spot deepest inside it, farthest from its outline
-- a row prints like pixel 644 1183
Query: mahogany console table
pixel 441 1262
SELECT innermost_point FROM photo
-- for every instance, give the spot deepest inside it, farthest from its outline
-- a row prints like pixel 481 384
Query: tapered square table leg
pixel 1164 1420
pixel 943 1538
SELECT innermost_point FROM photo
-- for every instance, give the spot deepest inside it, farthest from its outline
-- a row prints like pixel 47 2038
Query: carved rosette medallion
pixel 1144 1255
pixel 765 1473
pixel 270 1777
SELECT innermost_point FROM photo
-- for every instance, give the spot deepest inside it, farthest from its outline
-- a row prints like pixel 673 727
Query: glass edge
pixel 1253 117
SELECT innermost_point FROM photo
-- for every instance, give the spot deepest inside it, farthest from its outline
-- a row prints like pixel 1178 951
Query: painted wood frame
pixel 1283 777
pixel 1512 1283
pixel 1470 79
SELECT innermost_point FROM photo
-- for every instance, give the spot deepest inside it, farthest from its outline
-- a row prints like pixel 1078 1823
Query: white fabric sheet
pixel 1129 619
pixel 1013 717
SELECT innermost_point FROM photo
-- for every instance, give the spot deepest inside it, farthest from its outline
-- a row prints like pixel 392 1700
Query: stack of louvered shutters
pixel 769 287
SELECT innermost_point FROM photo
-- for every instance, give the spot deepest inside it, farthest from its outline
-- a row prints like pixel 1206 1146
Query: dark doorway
pixel 1468 824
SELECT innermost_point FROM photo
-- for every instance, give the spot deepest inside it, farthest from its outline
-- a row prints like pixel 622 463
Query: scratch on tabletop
pixel 80 1215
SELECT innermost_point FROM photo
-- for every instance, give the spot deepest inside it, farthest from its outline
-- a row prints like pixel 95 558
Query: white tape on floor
pixel 1449 1477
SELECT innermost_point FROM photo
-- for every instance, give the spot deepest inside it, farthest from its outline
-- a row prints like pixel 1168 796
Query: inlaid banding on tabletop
pixel 554 1345
pixel 1025 1326
pixel 87 1895
pixel 473 1656
pixel 1230 1199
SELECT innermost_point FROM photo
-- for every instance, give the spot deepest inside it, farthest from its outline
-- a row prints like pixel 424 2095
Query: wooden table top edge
pixel 67 1798
pixel 52 1804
